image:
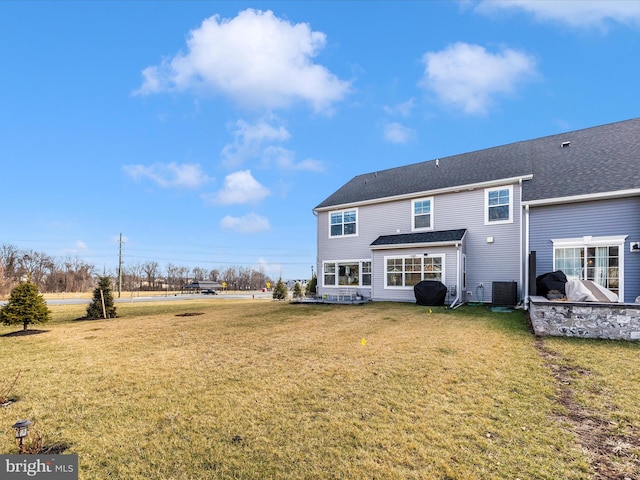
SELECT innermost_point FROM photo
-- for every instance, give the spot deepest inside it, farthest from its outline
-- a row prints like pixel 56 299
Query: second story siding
pixel 493 250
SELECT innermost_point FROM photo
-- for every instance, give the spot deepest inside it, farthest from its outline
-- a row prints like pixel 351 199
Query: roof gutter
pixel 415 245
pixel 632 192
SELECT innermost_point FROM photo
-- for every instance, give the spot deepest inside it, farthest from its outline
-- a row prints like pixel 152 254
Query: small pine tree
pixel 25 306
pixel 297 290
pixel 312 287
pixel 280 290
pixel 94 310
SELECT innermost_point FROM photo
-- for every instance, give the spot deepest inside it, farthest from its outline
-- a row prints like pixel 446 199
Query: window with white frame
pixel 498 205
pixel 329 274
pixel 422 214
pixel 409 270
pixel 599 259
pixel 347 273
pixel 366 274
pixel 343 223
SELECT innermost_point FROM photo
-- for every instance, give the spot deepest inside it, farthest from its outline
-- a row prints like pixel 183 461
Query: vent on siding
pixel 504 293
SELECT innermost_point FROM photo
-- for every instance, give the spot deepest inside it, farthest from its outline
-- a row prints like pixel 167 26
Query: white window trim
pixel 410 287
pixel 486 205
pixel 413 214
pixel 342 211
pixel 589 241
pixel 358 261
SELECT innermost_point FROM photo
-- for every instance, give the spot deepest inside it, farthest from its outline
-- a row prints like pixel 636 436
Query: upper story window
pixel 422 214
pixel 498 205
pixel 343 223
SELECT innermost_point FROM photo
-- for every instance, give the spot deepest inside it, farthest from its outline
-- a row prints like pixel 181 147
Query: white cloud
pixel 248 141
pixel 79 247
pixel 239 187
pixel 285 160
pixel 250 223
pixel 397 133
pixel 309 165
pixel 273 270
pixel 256 58
pixel 402 109
pixel 184 175
pixel 580 14
pixel 469 77
pixel 260 131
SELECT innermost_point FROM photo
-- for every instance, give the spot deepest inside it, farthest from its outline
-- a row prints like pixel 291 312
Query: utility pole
pixel 120 268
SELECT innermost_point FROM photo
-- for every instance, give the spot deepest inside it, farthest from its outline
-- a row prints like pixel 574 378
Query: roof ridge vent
pixel 565 144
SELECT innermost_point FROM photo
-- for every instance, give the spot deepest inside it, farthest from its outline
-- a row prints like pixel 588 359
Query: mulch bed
pixel 22 333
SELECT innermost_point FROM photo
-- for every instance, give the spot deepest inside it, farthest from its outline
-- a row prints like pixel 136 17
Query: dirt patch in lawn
pixel 189 314
pixel 612 455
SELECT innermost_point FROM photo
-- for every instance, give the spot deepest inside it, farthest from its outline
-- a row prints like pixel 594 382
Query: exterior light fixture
pixel 22 430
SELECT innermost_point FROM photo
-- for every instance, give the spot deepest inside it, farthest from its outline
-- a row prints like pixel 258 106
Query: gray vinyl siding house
pixel 471 220
pixel 380 249
pixel 584 200
pixel 617 219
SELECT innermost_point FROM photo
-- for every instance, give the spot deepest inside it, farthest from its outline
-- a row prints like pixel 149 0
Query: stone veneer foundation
pixel 616 321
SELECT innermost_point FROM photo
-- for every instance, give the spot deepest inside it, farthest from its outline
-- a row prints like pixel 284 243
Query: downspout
pixel 458 289
pixel 522 279
pixel 315 214
pixel 526 263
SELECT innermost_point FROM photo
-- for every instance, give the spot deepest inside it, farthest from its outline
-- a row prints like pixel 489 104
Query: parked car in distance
pixel 209 292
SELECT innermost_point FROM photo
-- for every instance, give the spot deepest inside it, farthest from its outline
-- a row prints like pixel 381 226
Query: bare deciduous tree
pixel 213 275
pixel 173 276
pixel 198 273
pixel 151 271
pixel 73 274
pixel 36 266
pixel 9 261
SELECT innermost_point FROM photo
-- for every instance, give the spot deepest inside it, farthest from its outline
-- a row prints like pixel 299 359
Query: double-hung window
pixel 329 274
pixel 422 214
pixel 599 259
pixel 366 274
pixel 343 223
pixel 498 205
pixel 409 271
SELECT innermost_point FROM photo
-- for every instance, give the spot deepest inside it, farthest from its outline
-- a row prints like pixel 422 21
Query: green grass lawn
pixel 268 390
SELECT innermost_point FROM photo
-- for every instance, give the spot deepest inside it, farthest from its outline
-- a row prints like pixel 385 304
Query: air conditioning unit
pixel 504 293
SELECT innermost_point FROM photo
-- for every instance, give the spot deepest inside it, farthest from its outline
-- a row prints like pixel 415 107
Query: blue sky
pixel 206 132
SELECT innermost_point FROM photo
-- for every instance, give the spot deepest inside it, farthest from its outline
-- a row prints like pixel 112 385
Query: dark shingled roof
pixel 443 236
pixel 599 159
